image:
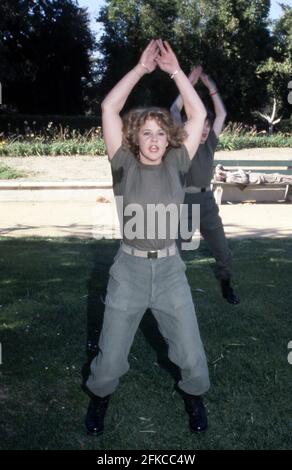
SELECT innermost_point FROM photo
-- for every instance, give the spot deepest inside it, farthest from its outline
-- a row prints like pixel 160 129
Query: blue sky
pixel 94 5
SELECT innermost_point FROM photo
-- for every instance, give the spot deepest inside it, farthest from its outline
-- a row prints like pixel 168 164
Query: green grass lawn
pixel 50 308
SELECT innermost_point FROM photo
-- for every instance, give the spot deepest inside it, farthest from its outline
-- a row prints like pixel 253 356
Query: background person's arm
pixel 220 111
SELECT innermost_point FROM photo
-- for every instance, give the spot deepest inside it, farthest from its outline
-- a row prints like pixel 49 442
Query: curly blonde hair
pixel 134 120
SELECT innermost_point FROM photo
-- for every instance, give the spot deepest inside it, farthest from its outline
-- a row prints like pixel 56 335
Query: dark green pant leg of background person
pixel 212 231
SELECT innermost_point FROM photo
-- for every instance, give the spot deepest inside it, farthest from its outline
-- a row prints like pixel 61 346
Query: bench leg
pixel 218 193
pixel 288 193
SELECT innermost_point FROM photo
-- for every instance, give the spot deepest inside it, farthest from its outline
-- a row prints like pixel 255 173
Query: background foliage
pixel 52 64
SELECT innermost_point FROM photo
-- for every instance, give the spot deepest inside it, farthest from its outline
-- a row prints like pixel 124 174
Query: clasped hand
pixel 159 53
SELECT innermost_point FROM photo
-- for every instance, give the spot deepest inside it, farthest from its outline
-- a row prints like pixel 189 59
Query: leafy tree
pixel 229 37
pixel 277 69
pixel 45 48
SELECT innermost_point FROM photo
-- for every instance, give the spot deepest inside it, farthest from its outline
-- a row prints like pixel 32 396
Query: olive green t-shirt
pixel 201 170
pixel 147 186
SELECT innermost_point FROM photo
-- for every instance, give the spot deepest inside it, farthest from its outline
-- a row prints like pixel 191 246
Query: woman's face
pixel 152 140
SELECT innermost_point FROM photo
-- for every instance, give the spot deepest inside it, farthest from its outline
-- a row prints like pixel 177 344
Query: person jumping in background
pixel 198 190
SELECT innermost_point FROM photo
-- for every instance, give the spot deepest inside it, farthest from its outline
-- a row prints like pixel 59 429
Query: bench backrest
pixel 259 166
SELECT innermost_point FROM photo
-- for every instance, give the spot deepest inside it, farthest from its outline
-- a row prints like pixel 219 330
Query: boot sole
pixel 196 431
pixel 94 433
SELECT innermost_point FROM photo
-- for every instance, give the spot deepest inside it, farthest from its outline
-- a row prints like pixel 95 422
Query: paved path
pixel 98 219
pixel 86 214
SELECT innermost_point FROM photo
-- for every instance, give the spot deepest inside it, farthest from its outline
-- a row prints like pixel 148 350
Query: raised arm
pixel 116 98
pixel 177 105
pixel 194 107
pixel 220 111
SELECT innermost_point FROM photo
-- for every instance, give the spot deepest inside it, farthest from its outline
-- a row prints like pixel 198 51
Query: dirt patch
pixel 60 168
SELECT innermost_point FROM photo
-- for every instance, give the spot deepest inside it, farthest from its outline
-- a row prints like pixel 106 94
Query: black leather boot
pixel 228 292
pixel 197 412
pixel 96 411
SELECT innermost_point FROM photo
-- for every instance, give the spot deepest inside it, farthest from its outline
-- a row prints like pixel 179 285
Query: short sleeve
pixel 122 160
pixel 212 141
pixel 179 158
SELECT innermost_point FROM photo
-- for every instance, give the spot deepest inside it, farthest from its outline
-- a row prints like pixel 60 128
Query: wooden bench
pixel 258 166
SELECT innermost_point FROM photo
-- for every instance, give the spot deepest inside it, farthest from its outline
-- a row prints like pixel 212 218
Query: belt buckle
pixel 152 254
